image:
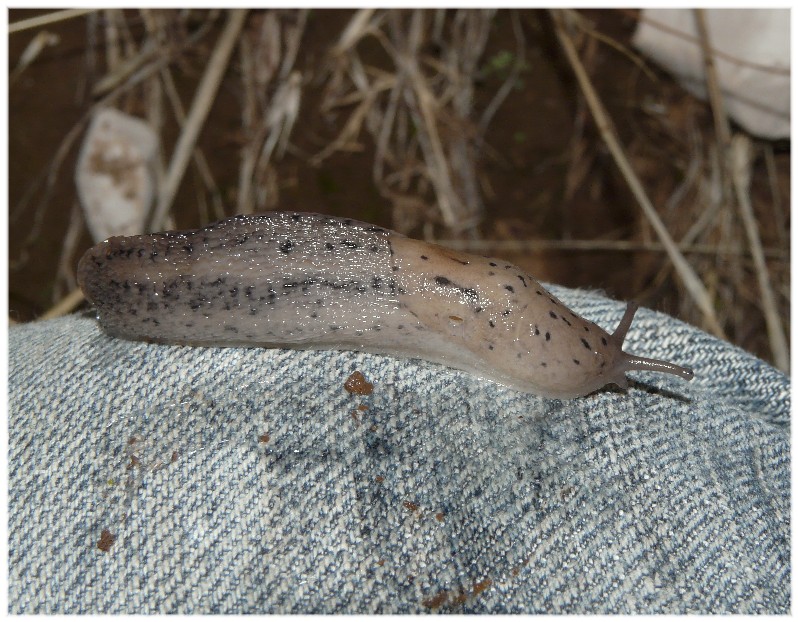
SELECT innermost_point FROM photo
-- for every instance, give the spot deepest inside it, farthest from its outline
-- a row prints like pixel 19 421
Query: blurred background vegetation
pixel 464 127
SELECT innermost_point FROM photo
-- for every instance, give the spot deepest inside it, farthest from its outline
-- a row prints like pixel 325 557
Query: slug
pixel 300 280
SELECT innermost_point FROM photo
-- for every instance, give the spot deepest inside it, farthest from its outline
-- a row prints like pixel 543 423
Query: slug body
pixel 301 280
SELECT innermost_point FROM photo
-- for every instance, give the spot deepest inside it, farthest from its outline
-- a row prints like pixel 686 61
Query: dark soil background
pixel 545 174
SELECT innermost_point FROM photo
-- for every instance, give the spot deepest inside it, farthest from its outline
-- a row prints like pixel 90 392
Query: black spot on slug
pixel 491 324
pixel 586 344
pixel 349 244
pixel 523 280
pixel 442 280
pixel 509 288
pixel 329 246
pixel 424 257
pixel 470 293
pixel 492 264
pixel 548 336
pixel 604 341
pixel 576 361
pixel 553 315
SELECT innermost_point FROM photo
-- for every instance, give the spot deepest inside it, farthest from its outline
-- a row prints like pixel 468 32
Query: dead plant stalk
pixel 688 276
pixel 205 95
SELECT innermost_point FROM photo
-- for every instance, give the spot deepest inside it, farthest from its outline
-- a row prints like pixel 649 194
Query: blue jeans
pixel 149 478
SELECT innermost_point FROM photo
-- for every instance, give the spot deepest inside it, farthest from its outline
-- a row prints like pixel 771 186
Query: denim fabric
pixel 249 480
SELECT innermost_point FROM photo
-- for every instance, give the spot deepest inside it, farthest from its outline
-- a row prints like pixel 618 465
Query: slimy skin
pixel 309 281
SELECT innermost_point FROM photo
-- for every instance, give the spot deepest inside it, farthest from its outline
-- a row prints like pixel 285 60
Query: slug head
pixel 611 363
pixel 567 363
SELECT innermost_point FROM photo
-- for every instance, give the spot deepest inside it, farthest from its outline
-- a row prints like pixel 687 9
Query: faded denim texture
pixel 249 480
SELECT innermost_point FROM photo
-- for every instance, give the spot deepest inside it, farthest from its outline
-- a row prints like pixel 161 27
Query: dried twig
pixel 622 246
pixel 512 78
pixel 270 105
pixel 42 40
pixel 65 276
pixel 741 173
pixel 206 93
pixel 690 279
pixel 66 305
pixel 778 210
pixel 419 112
pixel 48 18
pixel 199 158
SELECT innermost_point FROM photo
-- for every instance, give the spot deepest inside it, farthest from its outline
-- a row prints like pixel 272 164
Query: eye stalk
pixel 630 362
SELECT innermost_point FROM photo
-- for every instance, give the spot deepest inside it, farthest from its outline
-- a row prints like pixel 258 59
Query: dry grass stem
pixel 36 46
pixel 775 194
pixel 741 172
pixel 722 129
pixel 419 113
pixel 199 158
pixel 688 276
pixel 631 246
pixel 512 78
pixel 48 18
pixel 124 69
pixel 206 93
pixel 66 305
pixel 65 276
pixel 271 103
pixel 615 45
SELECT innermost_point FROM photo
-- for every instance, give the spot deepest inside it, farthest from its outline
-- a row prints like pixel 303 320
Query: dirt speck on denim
pixel 164 479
